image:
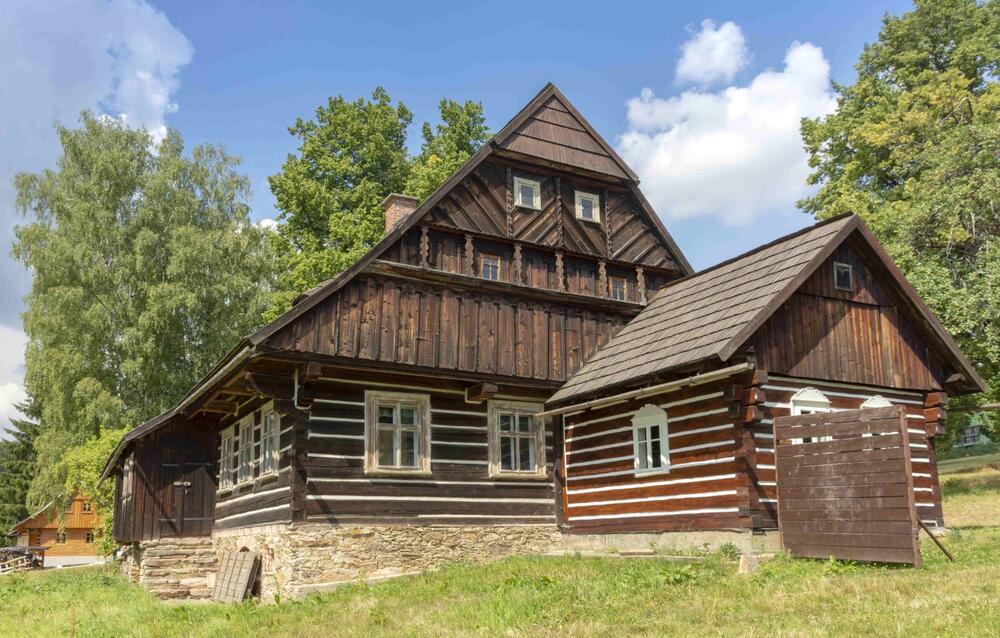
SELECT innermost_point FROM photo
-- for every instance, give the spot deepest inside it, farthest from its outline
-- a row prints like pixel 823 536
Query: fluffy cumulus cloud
pixel 713 53
pixel 12 342
pixel 735 153
pixel 118 57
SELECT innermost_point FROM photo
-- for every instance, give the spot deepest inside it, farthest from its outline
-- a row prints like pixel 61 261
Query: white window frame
pixel 611 287
pixel 226 458
pixel 518 409
pixel 269 440
pixel 483 257
pixel 244 463
pixel 647 420
pixel 810 401
pixel 850 272
pixel 374 399
pixel 594 199
pixel 89 538
pixel 536 203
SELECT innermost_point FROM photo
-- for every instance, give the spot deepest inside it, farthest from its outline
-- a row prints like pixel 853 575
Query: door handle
pixel 182 483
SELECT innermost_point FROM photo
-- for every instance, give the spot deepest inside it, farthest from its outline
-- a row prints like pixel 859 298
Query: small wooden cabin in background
pixel 400 415
pixel 72 543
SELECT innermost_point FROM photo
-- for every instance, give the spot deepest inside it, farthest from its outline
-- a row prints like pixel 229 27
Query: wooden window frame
pixel 226 459
pixel 374 399
pixel 646 419
pixel 595 199
pixel 809 401
pixel 89 538
pixel 267 458
pixel 61 538
pixel 837 266
pixel 482 266
pixel 536 203
pixel 611 287
pixel 245 462
pixel 128 470
pixel 494 408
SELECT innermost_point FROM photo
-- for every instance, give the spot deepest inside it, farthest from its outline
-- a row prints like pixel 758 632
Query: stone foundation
pixel 172 568
pixel 300 558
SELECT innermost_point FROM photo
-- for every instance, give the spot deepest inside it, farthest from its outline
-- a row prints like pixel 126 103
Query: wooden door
pixel 171 521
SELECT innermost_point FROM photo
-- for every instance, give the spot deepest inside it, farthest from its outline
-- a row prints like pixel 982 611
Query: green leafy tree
pixel 914 148
pixel 461 133
pixel 351 155
pixel 146 270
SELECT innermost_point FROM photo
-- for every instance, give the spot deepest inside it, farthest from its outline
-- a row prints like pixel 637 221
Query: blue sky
pixel 706 112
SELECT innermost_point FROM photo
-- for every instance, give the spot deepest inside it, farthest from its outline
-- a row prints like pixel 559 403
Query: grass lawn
pixel 575 596
pixel 951 466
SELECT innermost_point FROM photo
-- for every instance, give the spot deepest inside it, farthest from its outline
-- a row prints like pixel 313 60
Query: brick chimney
pixel 397 207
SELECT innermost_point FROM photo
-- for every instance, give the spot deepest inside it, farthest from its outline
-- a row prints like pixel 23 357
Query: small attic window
pixel 588 206
pixel 843 276
pixel 527 193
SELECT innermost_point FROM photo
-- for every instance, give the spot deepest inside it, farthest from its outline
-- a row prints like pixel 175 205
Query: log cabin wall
pixel 458 490
pixel 707 486
pixel 264 497
pixel 857 336
pixel 777 401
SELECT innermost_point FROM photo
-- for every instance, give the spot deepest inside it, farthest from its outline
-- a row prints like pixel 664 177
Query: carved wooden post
pixel 559 217
pixel 510 203
pixel 560 276
pixel 518 275
pixel 606 223
pixel 469 256
pixel 425 247
pixel 602 280
pixel 641 285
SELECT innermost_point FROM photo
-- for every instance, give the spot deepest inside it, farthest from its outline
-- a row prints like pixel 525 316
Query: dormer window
pixel 843 276
pixel 588 206
pixel 527 193
pixel 490 267
pixel 618 290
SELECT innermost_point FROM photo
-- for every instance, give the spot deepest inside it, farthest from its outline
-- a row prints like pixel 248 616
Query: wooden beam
pixel 270 385
pixel 481 392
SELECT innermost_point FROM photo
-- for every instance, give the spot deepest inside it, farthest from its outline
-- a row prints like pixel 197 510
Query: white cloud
pixel 117 57
pixel 713 54
pixel 735 153
pixel 267 224
pixel 12 342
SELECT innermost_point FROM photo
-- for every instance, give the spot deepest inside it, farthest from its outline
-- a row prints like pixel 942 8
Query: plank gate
pixel 845 486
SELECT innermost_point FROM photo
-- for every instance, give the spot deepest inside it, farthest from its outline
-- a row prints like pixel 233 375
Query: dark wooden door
pixel 198 494
pixel 173 502
pixel 189 486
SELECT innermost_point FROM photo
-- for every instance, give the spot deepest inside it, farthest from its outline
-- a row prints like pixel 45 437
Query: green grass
pixel 952 466
pixel 574 596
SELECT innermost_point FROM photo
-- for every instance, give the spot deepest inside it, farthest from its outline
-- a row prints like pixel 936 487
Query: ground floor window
pixel 517 439
pixel 244 470
pixel 61 538
pixel 269 441
pixel 649 440
pixel 810 401
pixel 89 538
pixel 397 432
pixel 226 459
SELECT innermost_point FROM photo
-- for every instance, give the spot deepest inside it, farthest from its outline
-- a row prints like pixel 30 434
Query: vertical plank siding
pixel 779 391
pixel 704 489
pixel 459 489
pixel 378 319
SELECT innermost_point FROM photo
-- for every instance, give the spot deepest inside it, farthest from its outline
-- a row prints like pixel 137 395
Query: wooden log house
pixel 440 382
pixel 66 540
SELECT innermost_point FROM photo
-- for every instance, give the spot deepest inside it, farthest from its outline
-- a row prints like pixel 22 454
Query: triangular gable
pixel 712 314
pixel 550 128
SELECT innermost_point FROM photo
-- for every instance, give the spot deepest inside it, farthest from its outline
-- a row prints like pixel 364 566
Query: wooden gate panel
pixel 845 486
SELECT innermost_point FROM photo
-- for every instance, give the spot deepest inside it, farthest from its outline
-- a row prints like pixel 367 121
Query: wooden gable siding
pixel 706 487
pixel 778 392
pixel 459 489
pixel 75 518
pixel 855 337
pixel 380 319
pixel 482 203
pixel 183 451
pixel 264 498
pixel 554 134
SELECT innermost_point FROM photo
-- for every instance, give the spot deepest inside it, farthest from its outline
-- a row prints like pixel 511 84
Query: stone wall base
pixel 172 568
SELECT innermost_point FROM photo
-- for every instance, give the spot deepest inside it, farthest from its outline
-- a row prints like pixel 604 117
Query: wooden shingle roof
pixel 711 314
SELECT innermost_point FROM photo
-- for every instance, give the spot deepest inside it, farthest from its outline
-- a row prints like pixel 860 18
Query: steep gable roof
pixel 711 314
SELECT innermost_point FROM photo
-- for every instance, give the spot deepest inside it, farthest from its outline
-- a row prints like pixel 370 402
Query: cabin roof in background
pixel 711 314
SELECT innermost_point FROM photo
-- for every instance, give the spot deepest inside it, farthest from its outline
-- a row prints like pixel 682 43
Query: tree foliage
pixel 146 270
pixel 914 148
pixel 17 468
pixel 350 156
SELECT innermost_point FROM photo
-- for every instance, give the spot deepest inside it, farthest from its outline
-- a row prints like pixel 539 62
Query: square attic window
pixel 527 193
pixel 843 276
pixel 588 206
